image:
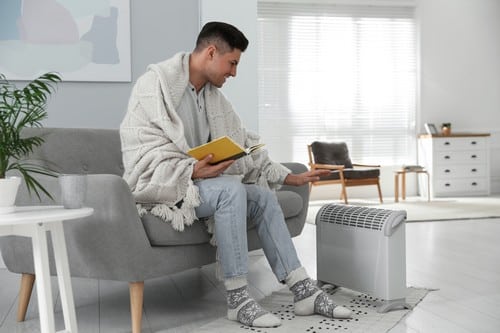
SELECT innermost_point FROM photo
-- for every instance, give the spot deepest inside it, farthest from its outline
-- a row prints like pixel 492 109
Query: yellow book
pixel 222 149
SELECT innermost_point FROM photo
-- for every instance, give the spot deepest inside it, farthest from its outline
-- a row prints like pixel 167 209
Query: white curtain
pixel 338 73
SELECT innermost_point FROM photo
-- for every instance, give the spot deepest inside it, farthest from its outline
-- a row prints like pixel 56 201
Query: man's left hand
pixel 305 177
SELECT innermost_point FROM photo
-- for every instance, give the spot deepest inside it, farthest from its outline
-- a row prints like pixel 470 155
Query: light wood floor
pixel 461 258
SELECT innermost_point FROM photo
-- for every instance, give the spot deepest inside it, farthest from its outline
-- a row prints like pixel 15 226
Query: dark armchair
pixel 335 157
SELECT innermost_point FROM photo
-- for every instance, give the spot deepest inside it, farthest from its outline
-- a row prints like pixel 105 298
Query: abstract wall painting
pixel 82 40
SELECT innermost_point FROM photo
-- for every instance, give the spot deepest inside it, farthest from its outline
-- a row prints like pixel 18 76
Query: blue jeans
pixel 231 203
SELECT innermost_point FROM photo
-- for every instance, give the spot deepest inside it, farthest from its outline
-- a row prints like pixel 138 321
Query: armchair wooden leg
pixel 380 193
pixel 343 195
pixel 27 282
pixel 136 304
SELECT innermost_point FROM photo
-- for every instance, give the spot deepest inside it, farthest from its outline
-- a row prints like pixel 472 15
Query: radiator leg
pixel 326 285
pixel 320 283
pixel 393 304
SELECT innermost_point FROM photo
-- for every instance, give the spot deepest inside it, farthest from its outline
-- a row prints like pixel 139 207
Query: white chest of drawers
pixel 459 164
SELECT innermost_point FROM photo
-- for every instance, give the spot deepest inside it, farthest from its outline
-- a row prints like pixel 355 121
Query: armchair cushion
pixel 331 153
pixel 354 174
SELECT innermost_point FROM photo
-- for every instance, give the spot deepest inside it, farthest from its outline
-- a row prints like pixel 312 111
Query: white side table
pixel 34 221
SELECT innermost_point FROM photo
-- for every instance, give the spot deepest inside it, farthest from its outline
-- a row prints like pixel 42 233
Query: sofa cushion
pixel 161 233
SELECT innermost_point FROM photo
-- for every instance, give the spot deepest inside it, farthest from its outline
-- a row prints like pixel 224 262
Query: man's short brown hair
pixel 223 35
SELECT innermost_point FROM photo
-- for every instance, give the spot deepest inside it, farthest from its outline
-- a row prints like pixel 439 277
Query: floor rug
pixel 420 210
pixel 365 316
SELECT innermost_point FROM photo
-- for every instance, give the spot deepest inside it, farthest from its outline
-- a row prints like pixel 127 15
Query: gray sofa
pixel 115 243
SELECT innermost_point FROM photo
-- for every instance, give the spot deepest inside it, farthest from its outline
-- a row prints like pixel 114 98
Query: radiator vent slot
pixel 359 217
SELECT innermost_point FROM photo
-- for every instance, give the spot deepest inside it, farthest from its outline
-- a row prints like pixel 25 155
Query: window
pixel 338 73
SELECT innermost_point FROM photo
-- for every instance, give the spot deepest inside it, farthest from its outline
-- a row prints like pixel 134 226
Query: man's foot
pixel 309 299
pixel 244 309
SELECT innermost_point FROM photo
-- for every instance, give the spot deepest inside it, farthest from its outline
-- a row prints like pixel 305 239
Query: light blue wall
pixel 159 29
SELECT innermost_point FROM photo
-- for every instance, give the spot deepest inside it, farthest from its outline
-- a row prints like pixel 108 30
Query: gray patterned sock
pixel 309 299
pixel 244 309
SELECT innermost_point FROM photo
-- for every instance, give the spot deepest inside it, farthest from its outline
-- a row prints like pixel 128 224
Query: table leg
pixel 396 187
pixel 64 277
pixel 42 273
pixel 403 185
pixel 428 187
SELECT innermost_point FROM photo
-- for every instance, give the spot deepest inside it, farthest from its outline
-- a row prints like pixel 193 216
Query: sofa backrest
pixel 79 150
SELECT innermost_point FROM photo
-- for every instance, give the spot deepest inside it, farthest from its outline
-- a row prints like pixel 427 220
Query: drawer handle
pixel 447 171
pixel 473 156
pixel 446 143
pixel 447 157
pixel 474 184
pixel 447 184
pixel 474 170
pixel 473 142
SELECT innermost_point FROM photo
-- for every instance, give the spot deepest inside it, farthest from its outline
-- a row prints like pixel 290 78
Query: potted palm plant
pixel 19 109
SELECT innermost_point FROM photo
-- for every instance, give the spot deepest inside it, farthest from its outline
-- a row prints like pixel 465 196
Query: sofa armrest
pixel 296 224
pixel 303 190
pixel 102 245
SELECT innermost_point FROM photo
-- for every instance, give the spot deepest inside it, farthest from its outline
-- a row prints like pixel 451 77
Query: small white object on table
pixel 33 222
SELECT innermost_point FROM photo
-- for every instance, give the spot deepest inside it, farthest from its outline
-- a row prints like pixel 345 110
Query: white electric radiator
pixel 363 249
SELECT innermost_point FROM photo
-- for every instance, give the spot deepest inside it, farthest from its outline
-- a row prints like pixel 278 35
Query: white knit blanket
pixel 157 167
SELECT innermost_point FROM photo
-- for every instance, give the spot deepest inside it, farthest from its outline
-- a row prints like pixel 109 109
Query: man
pixel 177 105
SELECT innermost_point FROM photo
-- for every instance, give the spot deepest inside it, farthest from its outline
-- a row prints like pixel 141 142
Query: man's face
pixel 222 66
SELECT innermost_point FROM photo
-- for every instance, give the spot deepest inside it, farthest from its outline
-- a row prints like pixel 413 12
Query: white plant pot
pixel 8 192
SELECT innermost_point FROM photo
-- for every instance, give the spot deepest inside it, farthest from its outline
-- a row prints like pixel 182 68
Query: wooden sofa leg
pixel 136 304
pixel 27 282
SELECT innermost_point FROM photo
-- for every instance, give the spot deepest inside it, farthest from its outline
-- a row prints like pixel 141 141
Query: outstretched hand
pixel 203 168
pixel 305 177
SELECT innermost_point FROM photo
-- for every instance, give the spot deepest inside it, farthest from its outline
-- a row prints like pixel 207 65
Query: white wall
pixel 242 89
pixel 460 68
pixel 459 78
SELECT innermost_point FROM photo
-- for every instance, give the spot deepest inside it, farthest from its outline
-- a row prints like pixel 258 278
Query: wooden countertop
pixel 453 135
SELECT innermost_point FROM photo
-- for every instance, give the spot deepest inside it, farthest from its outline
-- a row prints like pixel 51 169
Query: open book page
pixel 222 149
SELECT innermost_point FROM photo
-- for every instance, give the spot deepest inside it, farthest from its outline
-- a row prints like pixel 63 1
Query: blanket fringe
pixel 141 210
pixel 178 217
pixel 192 198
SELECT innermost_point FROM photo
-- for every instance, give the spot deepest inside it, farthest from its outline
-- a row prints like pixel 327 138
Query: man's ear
pixel 210 51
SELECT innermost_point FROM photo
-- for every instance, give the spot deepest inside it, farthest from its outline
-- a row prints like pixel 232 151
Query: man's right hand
pixel 203 168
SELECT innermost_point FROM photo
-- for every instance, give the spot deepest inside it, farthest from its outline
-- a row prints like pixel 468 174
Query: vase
pixel 445 130
pixel 8 193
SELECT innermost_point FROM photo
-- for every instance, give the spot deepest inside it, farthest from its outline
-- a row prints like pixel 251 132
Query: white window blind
pixel 338 73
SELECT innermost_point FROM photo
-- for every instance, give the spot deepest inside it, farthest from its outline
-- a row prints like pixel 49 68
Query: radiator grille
pixel 360 217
